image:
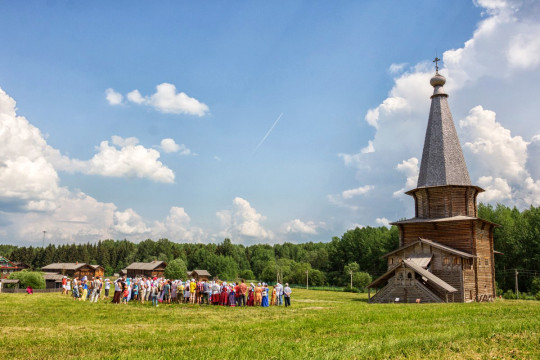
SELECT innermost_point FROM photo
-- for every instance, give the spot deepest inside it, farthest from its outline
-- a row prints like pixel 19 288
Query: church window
pixel 486 261
pixel 457 260
pixel 409 276
pixel 446 260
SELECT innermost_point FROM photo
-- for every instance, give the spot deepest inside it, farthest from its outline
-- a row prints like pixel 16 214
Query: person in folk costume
pixel 215 293
pixel 186 292
pixel 180 292
pixel 85 290
pixel 264 302
pixel 237 294
pixel 223 297
pixel 274 296
pixel 258 294
pixel 251 295
pixel 75 291
pixel 232 298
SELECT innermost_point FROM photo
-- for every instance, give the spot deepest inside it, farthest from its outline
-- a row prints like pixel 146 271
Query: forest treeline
pixel 327 263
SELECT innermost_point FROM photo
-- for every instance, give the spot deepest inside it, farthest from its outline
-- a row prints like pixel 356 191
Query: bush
pixel 33 279
pixel 509 295
pixel 361 280
pixel 351 289
pixel 247 275
pixel 535 285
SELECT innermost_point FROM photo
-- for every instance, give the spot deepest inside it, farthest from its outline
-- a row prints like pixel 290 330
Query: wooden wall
pixel 485 268
pixel 445 201
pixel 456 234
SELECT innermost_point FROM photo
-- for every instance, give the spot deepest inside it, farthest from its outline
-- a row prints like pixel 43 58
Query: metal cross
pixel 436 61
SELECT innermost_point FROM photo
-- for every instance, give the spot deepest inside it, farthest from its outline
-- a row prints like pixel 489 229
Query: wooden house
pixel 53 280
pixel 199 275
pixel 445 252
pixel 74 269
pixel 6 268
pixel 151 269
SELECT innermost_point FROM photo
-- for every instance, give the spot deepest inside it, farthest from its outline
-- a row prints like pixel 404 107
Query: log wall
pixel 456 234
pixel 445 201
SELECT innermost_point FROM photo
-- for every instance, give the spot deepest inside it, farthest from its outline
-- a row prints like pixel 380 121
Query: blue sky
pixel 351 80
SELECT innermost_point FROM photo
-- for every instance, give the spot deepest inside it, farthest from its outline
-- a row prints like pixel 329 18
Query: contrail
pixel 268 133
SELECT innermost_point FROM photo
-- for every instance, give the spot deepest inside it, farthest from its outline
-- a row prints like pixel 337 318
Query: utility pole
pixel 307 279
pixel 517 290
pixel 44 232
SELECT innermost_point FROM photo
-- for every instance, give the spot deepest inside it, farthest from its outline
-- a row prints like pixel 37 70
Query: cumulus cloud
pixel 177 227
pixel 497 189
pixel 297 226
pixel 383 221
pixel 28 181
pixel 122 157
pixel 348 194
pixel 243 221
pixel 166 99
pixel 396 68
pixel 499 152
pixel 113 97
pixel 170 146
pixel 411 170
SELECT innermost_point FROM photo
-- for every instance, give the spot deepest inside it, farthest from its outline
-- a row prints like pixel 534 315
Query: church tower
pixel 445 252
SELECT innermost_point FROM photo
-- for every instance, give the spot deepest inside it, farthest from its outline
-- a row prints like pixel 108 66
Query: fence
pixel 17 291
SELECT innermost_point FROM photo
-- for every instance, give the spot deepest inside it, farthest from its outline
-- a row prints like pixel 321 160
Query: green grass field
pixel 319 325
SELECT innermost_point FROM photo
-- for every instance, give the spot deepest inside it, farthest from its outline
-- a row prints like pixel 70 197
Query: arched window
pixel 409 275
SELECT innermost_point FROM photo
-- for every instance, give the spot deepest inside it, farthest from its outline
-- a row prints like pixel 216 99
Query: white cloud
pixel 167 100
pixel 243 221
pixel 128 222
pixel 135 96
pixel 497 189
pixel 27 180
pixel 113 97
pixel 348 194
pixel 297 226
pixel 170 146
pixel 410 169
pixel 123 157
pixel 396 68
pixel 498 152
pixel 383 221
pixel 177 227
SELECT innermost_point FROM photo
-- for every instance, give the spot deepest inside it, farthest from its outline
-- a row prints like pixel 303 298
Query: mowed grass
pixel 319 325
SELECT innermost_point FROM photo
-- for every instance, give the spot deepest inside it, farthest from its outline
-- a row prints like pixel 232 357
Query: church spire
pixel 442 159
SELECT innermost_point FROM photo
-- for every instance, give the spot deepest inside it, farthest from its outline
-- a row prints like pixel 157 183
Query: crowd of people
pixel 165 291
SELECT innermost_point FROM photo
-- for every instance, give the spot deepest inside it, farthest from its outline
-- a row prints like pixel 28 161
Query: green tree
pixel 350 270
pixel 29 278
pixel 176 269
pixel 361 280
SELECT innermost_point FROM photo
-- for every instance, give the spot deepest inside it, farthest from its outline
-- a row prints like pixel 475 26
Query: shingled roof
pixel 442 158
pixel 145 266
pixel 63 266
pixel 433 244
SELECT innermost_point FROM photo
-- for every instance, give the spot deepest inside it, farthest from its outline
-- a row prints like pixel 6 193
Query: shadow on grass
pixel 365 300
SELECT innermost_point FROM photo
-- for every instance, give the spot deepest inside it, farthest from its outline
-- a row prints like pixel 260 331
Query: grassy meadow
pixel 319 325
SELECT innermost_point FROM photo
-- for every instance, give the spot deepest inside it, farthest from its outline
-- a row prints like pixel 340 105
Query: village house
pixel 6 267
pixel 199 275
pixel 72 270
pixel 151 269
pixel 445 252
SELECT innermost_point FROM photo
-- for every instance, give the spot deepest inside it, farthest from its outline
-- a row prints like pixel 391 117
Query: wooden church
pixel 445 252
